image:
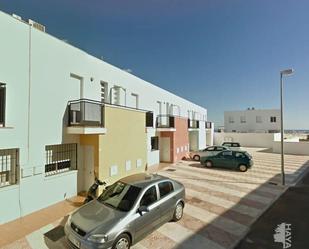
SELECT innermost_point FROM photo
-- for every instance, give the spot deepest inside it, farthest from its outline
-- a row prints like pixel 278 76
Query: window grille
pixel 60 158
pixel 9 161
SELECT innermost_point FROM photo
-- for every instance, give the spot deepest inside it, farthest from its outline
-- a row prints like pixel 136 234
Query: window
pixel 154 143
pixel 242 119
pixel 120 196
pixel 149 119
pixel 273 119
pixel 239 155
pixel 149 197
pixel 60 158
pixel 231 120
pixel 2 105
pixel 227 145
pixel 135 100
pixel 258 119
pixel 104 92
pixel 220 148
pixel 210 149
pixel 227 153
pixel 165 188
pixel 9 160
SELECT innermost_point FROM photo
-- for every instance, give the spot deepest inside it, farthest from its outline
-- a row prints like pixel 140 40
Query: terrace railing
pixel 85 112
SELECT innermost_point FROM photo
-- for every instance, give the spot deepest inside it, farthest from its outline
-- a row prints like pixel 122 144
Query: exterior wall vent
pixel 17 17
pixel 36 25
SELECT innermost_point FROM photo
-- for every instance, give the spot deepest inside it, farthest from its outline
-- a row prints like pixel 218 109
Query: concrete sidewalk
pixel 292 208
pixel 17 230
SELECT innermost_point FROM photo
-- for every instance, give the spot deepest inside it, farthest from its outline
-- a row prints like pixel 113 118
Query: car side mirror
pixel 142 209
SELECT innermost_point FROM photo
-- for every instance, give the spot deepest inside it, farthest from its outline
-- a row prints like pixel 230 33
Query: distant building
pixel 252 120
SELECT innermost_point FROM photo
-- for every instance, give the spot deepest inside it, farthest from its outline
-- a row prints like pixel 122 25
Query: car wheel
pixel 196 158
pixel 242 168
pixel 208 164
pixel 122 242
pixel 178 213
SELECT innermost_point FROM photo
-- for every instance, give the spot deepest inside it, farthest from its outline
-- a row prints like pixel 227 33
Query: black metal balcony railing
pixel 165 121
pixel 193 124
pixel 85 112
pixel 208 125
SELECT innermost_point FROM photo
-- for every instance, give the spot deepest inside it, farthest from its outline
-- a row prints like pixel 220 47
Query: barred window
pixel 60 158
pixel 154 143
pixel 9 161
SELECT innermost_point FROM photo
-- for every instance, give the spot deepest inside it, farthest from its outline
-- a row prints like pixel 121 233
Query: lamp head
pixel 287 71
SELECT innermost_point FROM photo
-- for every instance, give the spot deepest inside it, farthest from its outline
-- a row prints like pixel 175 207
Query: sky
pixel 220 54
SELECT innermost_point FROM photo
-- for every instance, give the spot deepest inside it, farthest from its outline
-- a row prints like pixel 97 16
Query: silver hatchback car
pixel 126 212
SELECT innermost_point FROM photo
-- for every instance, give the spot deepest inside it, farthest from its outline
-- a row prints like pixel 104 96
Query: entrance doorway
pixel 165 155
pixel 88 166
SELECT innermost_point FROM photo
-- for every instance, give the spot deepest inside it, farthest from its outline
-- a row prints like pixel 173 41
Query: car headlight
pixel 98 238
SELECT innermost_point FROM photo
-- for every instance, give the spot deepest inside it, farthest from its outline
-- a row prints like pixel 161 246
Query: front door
pixel 165 155
pixel 147 222
pixel 88 166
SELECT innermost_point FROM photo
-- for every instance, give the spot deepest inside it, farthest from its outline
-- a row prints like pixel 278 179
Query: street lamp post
pixel 286 72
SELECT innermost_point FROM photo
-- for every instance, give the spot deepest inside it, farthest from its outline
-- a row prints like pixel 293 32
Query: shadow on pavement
pixel 291 210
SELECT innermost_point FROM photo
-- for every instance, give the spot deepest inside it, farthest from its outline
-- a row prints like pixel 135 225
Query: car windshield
pixel 120 196
pixel 248 155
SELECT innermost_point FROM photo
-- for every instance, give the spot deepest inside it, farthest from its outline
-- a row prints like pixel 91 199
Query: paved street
pixel 220 205
pixel 291 209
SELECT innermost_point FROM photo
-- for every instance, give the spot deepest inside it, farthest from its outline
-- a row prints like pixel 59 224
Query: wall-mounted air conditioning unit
pixel 36 25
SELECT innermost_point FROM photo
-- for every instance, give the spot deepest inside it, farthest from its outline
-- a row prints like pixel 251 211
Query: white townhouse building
pixel 67 116
pixel 252 121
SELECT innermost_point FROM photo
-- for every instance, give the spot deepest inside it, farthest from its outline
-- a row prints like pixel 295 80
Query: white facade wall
pixel 294 148
pixel 37 69
pixel 263 140
pixel 153 156
pixel 251 124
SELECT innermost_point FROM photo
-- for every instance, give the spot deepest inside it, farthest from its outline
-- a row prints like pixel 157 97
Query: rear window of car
pixel 210 148
pixel 165 188
pixel 235 145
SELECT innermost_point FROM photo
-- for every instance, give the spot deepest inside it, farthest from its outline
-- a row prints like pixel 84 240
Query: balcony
pixel 165 123
pixel 208 125
pixel 193 124
pixel 85 117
